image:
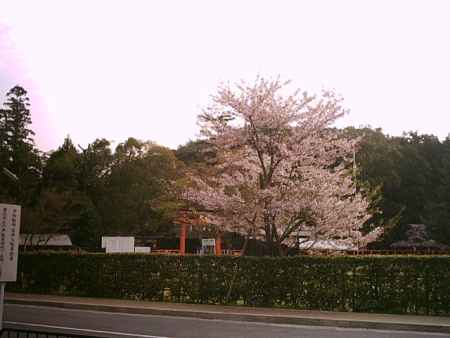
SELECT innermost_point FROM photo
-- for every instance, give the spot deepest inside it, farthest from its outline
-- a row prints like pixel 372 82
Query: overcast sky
pixel 116 69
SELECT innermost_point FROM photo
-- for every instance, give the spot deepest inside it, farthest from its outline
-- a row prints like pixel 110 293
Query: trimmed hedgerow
pixel 383 284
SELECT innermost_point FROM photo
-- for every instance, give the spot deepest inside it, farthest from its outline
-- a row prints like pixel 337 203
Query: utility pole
pixel 356 189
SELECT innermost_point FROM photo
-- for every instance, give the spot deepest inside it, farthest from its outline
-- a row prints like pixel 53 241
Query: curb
pixel 245 317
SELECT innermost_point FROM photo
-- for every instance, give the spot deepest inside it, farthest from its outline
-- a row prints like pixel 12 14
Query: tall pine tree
pixel 17 150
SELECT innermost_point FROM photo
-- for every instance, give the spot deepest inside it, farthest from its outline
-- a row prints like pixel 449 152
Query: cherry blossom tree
pixel 280 169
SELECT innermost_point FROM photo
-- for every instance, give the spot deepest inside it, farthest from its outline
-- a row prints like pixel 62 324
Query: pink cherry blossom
pixel 280 168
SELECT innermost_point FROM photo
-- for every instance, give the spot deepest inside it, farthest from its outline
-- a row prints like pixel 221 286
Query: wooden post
pixel 2 296
pixel 218 245
pixel 182 238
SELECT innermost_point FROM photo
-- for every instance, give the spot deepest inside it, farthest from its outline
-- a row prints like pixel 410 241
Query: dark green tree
pixel 61 169
pixel 437 214
pixel 409 172
pixel 17 150
pixel 140 190
pixel 196 153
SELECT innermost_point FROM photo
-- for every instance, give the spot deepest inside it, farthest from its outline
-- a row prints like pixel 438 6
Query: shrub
pixel 384 284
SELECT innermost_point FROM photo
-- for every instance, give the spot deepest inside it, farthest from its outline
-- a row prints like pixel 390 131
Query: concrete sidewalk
pixel 237 313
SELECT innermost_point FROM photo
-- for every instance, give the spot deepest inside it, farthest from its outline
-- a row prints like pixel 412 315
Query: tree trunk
pixel 244 247
pixel 281 251
pixel 230 289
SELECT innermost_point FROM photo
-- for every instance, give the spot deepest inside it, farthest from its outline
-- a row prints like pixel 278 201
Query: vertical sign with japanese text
pixel 9 241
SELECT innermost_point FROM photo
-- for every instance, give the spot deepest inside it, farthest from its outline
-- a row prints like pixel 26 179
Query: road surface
pixel 107 324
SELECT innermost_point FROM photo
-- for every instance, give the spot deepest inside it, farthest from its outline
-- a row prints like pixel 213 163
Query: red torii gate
pixel 187 218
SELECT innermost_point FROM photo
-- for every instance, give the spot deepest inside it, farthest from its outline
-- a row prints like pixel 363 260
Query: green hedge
pixel 384 284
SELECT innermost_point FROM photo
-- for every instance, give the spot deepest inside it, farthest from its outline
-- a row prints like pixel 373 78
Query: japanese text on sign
pixel 9 241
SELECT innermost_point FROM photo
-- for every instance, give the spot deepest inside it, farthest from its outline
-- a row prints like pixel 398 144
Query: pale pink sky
pixel 115 69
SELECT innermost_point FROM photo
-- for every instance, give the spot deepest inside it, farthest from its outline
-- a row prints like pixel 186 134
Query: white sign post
pixel 208 242
pixel 9 248
pixel 118 244
pixel 208 245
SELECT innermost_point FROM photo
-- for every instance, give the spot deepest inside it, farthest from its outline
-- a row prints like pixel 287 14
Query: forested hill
pixel 135 187
pixel 412 173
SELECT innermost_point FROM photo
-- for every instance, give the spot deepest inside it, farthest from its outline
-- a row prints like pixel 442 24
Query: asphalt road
pixel 106 324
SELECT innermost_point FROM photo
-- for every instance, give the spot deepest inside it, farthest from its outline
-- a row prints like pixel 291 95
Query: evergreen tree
pixel 17 149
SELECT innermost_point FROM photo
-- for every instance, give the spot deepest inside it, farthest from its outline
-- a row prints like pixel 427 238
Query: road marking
pixel 84 330
pixel 228 321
